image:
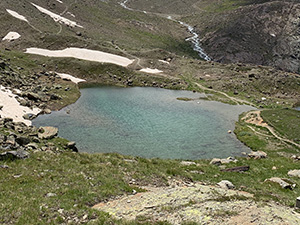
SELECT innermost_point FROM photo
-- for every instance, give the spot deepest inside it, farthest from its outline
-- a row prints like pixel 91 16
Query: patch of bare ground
pixel 254 117
pixel 198 203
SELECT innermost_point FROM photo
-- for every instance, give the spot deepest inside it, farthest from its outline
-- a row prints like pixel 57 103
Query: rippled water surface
pixel 148 122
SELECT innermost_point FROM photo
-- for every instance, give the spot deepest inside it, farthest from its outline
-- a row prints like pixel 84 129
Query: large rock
pixel 72 145
pixel 294 173
pixel 216 161
pixel 257 155
pixel 47 132
pixel 29 116
pixel 23 140
pixel 32 96
pixel 187 163
pixel 280 181
pixel 298 202
pixel 226 184
pixel 20 154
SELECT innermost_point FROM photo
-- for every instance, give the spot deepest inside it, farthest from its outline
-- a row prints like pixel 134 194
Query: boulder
pixel 215 161
pixel 23 140
pixel 257 155
pixel 46 111
pixel 228 160
pixel 29 116
pixel 280 181
pixel 4 167
pixel 47 132
pixel 226 184
pixel 10 140
pixel 20 154
pixel 32 96
pixel 72 145
pixel 32 145
pixel 187 163
pixel 298 202
pixel 294 173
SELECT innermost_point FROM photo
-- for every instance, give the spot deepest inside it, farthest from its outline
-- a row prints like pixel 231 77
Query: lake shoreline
pixel 157 96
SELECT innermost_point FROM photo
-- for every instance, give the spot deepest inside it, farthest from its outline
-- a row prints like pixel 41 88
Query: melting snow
pixel 12 108
pixel 72 78
pixel 11 36
pixel 56 17
pixel 163 61
pixel 84 54
pixel 17 15
pixel 148 70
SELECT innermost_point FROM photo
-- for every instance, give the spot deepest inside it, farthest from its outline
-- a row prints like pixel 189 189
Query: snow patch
pixel 59 1
pixel 70 77
pixel 164 61
pixel 16 15
pixel 12 108
pixel 71 14
pixel 84 54
pixel 56 17
pixel 11 36
pixel 148 70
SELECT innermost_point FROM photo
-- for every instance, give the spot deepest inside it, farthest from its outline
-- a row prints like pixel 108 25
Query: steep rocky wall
pixel 265 34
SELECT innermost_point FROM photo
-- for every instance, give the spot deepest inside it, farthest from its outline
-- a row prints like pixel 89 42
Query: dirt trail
pixel 254 117
pixel 198 203
pixel 236 100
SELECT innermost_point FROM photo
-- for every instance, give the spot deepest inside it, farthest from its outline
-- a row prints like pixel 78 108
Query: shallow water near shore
pixel 148 122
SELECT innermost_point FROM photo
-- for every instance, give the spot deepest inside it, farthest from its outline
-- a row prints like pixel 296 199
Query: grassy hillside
pixel 106 25
pixel 57 186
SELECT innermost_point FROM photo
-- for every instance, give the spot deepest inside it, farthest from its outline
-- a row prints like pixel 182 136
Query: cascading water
pixel 193 39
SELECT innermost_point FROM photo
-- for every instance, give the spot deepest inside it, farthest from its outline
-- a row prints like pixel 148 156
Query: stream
pixel 194 39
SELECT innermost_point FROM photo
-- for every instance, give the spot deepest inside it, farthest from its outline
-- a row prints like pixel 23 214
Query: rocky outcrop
pixel 263 34
pixel 198 203
pixel 18 141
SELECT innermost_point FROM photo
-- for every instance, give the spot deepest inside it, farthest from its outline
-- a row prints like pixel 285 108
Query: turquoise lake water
pixel 148 122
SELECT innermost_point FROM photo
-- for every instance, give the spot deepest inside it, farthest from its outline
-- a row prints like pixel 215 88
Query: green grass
pixel 285 121
pixel 80 180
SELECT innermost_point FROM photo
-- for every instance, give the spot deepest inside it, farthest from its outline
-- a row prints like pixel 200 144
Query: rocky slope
pixel 261 32
pixel 202 204
pixel 265 34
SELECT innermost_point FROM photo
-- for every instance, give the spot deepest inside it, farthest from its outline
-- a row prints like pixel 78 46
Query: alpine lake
pixel 149 122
